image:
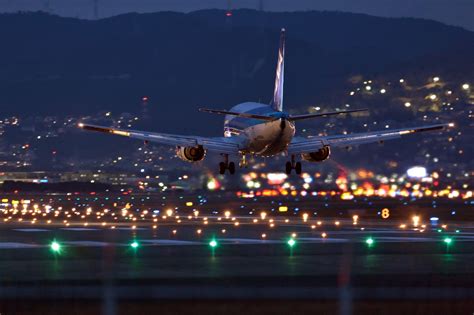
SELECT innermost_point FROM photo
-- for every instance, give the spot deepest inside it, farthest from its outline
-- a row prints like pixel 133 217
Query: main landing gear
pixel 293 165
pixel 226 165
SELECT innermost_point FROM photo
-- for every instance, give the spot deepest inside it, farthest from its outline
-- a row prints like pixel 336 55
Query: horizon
pixel 437 10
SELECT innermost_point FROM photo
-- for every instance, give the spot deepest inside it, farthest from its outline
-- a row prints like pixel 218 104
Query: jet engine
pixel 317 156
pixel 191 154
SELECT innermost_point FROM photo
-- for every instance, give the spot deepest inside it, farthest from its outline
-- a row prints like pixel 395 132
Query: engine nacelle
pixel 317 156
pixel 191 154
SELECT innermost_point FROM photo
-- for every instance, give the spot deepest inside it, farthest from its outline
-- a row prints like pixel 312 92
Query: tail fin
pixel 277 103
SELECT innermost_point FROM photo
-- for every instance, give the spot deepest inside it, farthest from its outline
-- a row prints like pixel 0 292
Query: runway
pixel 219 255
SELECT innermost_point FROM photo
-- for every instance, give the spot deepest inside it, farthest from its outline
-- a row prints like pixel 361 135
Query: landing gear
pixel 293 165
pixel 226 165
pixel 231 168
pixel 222 168
pixel 298 168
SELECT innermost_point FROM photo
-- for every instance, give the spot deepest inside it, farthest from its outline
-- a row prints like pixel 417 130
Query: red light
pixel 228 13
pixel 145 98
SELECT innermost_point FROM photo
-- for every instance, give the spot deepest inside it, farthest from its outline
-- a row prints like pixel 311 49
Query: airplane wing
pixel 215 144
pixel 304 145
pixel 309 116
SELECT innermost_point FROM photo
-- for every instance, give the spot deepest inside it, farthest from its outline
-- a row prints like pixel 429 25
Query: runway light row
pixel 56 247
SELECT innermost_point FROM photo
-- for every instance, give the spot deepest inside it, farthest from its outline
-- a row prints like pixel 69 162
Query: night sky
pixel 453 12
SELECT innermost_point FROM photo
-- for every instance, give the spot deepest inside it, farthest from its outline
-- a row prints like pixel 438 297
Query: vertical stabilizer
pixel 277 103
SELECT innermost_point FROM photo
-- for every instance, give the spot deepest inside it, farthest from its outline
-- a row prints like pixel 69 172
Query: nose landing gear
pixel 293 165
pixel 226 165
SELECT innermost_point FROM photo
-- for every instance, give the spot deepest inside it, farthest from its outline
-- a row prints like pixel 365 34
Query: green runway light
pixel 213 243
pixel 134 244
pixel 291 242
pixel 369 241
pixel 448 240
pixel 55 246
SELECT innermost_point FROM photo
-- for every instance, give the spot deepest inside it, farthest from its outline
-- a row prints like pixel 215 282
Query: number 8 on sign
pixel 385 213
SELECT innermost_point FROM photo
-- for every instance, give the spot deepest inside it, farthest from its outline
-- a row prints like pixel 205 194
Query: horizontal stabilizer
pixel 308 116
pixel 245 115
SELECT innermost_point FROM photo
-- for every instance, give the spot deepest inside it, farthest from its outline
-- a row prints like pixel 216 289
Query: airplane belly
pixel 269 138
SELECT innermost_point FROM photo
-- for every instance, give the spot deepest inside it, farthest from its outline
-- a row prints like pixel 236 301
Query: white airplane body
pixel 264 130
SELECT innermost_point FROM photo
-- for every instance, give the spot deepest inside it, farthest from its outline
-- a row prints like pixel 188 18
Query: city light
pixel 417 172
pixel 305 217
pixel 283 209
pixel 213 184
pixel 416 220
pixel 355 219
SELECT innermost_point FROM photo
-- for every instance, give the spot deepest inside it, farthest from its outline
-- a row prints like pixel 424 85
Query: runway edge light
pixel 369 241
pixel 213 243
pixel 55 247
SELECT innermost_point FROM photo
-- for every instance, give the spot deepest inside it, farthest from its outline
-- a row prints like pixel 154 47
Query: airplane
pixel 265 130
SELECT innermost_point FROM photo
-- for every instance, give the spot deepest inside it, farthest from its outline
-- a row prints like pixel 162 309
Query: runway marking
pixel 31 230
pixel 323 240
pixel 9 245
pixel 79 229
pixel 131 229
pixel 170 242
pixel 401 238
pixel 87 243
pixel 248 241
pixel 462 237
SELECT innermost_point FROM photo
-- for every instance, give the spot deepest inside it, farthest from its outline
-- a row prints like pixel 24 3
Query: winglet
pixel 277 103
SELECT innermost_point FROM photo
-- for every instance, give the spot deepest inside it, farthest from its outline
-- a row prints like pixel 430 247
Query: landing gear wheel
pixel 222 168
pixel 231 168
pixel 298 168
pixel 288 168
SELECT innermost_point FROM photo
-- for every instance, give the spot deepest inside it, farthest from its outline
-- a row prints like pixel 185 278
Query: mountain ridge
pixel 181 61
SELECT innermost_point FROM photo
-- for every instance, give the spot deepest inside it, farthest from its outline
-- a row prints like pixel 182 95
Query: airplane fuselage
pixel 265 138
